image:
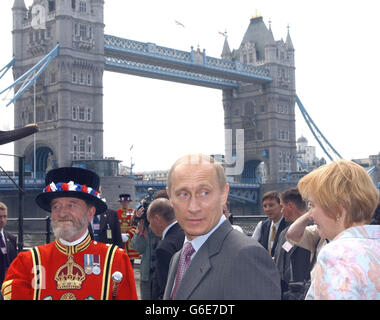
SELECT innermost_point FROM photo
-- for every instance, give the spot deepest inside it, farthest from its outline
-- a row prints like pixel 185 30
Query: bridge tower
pixel 264 111
pixel 69 93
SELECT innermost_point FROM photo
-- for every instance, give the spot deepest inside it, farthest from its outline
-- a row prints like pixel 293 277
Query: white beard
pixel 70 229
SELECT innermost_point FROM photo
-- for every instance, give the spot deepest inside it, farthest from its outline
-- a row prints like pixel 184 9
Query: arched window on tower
pixel 51 6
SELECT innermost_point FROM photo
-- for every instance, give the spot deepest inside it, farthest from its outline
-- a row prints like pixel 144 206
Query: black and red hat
pixel 125 197
pixel 71 182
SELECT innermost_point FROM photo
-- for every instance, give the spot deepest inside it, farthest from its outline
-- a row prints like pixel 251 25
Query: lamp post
pixel 21 180
pixel 34 136
pixel 21 192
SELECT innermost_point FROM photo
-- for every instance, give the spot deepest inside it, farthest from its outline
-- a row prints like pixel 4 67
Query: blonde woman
pixel 342 199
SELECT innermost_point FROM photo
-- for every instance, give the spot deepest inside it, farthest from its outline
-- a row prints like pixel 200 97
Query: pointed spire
pixel 257 15
pixel 19 4
pixel 289 43
pixel 269 40
pixel 226 53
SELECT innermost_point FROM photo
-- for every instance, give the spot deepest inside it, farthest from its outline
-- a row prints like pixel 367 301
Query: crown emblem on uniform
pixel 70 275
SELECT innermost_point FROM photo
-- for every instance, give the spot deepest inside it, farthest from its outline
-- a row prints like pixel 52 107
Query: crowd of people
pixel 320 240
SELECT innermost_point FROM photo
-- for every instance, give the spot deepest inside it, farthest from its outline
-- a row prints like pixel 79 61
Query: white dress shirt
pixel 167 229
pixel 200 240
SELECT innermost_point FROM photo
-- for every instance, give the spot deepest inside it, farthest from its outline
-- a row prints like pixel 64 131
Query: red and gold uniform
pixel 58 272
pixel 126 217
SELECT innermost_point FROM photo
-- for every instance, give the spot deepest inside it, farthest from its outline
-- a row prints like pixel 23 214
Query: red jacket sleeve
pixel 18 283
pixel 127 288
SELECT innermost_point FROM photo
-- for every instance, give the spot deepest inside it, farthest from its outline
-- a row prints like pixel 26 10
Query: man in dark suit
pixel 216 262
pixel 164 225
pixel 267 232
pixel 106 228
pixel 8 247
pixel 293 262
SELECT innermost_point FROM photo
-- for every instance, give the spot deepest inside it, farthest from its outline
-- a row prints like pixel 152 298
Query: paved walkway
pixel 136 271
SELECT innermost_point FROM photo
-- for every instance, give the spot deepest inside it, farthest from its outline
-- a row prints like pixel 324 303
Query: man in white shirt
pixel 267 231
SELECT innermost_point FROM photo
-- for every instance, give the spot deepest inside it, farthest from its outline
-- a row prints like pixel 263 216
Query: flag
pixel 224 34
pixel 179 23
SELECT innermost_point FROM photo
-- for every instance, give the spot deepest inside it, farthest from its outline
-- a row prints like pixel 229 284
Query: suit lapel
pixel 198 268
pixel 283 224
pixel 171 275
pixel 201 265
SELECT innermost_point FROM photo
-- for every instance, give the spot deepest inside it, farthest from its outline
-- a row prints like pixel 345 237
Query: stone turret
pixel 19 14
pixel 226 53
pixel 265 111
pixel 19 4
pixel 69 93
pixel 290 47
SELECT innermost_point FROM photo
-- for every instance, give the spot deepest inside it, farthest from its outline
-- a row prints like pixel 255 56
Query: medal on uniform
pixel 96 264
pixel 88 263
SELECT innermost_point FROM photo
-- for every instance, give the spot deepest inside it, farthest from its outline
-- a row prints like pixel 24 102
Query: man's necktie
pixel 183 264
pixel 272 237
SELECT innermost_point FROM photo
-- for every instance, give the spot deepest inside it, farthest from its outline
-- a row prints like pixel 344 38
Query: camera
pixel 145 202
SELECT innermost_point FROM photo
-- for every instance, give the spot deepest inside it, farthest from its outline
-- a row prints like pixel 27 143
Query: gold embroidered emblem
pixel 68 296
pixel 70 275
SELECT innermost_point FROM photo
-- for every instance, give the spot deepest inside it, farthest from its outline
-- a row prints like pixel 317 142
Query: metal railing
pixel 33 233
pixel 39 236
pixel 248 223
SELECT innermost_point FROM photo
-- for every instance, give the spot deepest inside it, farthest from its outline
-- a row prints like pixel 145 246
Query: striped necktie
pixel 183 264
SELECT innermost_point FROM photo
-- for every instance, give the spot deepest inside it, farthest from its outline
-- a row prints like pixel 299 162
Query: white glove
pixel 125 237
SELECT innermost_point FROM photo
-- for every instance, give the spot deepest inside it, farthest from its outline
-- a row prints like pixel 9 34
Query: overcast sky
pixel 337 75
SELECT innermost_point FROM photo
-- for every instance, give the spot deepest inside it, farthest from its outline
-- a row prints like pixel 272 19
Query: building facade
pixel 67 101
pixel 265 111
pixel 306 156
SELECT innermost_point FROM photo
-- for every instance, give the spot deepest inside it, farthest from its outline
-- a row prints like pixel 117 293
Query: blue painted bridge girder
pixel 194 67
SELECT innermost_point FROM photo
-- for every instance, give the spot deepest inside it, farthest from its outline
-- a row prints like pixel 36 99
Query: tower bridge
pixel 257 83
pixel 194 67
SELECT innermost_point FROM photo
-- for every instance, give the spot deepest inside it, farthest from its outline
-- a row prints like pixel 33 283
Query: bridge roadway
pixel 194 67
